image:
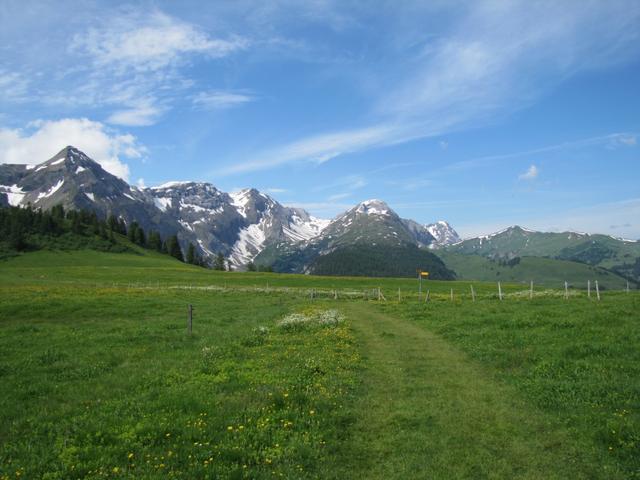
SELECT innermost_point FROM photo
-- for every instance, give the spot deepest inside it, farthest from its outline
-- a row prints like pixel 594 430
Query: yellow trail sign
pixel 424 274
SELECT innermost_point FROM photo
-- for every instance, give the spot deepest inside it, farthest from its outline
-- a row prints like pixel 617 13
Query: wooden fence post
pixel 190 319
pixel 473 294
pixel 399 296
pixel 426 297
pixel 499 291
pixel 589 288
pixel 566 290
pixel 597 291
pixel 531 291
pixel 452 294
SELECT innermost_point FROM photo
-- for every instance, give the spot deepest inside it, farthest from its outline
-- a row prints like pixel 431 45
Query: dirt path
pixel 427 411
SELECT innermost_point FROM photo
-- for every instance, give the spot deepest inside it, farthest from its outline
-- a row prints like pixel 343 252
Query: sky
pixel 485 114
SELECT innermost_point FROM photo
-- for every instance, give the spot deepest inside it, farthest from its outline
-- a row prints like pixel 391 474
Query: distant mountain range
pixel 619 256
pixel 251 227
pixel 243 226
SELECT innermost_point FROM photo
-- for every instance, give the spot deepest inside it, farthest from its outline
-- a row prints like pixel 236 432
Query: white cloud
pixel 321 148
pixel 144 42
pixel 143 114
pixel 276 190
pixel 338 196
pixel 531 173
pixel 218 100
pixel 629 140
pixel 43 139
pixel 140 183
pixel 13 86
pixel 499 58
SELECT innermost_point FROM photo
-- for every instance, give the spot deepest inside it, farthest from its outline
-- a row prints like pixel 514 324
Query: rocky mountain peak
pixel 443 233
pixel 373 207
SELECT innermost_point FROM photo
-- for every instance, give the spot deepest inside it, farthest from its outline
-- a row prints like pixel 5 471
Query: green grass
pixel 576 363
pixel 101 380
pixel 105 382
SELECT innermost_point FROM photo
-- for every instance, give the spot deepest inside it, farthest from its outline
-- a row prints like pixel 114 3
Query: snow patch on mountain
pixel 240 200
pixel 90 196
pixel 162 203
pixel 172 184
pixel 51 191
pixel 14 193
pixel 250 242
pixel 300 229
pixel 373 207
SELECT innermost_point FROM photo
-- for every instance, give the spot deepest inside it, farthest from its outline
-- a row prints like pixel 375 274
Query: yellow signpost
pixel 421 275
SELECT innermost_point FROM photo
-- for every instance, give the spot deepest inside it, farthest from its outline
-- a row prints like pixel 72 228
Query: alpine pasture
pixel 293 376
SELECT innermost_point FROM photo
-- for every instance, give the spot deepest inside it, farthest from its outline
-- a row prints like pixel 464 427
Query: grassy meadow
pixel 101 380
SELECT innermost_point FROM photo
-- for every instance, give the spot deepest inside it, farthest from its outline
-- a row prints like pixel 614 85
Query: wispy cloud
pixel 348 183
pixel 142 113
pixel 133 64
pixel 321 148
pixel 275 190
pixel 531 174
pixel 499 58
pixel 612 140
pixel 13 86
pixel 42 139
pixel 218 99
pixel 338 196
pixel 150 42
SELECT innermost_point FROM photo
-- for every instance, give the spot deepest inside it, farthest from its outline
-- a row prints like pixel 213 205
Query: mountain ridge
pixel 240 225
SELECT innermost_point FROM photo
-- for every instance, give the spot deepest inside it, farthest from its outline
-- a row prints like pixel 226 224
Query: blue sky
pixel 486 113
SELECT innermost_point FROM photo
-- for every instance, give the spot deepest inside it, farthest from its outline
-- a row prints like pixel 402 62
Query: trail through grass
pixel 427 411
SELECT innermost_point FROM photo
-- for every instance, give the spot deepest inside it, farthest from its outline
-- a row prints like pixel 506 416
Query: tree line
pixel 24 229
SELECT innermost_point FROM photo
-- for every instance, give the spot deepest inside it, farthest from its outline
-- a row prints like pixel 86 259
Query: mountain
pixel 244 226
pixel 72 179
pixel 238 225
pixel 369 239
pixel 619 255
pixel 443 234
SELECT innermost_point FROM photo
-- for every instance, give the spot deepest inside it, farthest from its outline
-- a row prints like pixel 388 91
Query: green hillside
pixel 380 261
pixel 543 271
pixel 621 256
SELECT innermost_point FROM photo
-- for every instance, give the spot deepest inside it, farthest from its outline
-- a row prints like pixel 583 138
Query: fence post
pixel 473 294
pixel 589 288
pixel 452 294
pixel 399 296
pixel 566 290
pixel 499 291
pixel 597 291
pixel 190 319
pixel 531 291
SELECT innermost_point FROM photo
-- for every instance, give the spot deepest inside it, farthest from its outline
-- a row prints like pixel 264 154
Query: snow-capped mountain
pixel 371 223
pixel 241 225
pixel 443 233
pixel 72 179
pixel 238 225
